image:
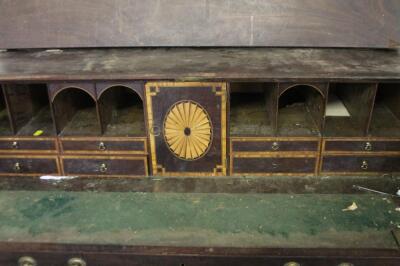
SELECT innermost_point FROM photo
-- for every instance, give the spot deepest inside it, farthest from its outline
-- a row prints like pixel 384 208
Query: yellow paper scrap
pixel 38 133
pixel 352 207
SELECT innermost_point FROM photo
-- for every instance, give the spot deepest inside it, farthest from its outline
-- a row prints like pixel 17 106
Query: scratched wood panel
pixel 118 23
pixel 273 64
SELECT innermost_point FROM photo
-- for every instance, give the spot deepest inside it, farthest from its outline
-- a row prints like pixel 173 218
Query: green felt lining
pixel 189 219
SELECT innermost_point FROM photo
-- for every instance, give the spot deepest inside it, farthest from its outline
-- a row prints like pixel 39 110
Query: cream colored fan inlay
pixel 188 130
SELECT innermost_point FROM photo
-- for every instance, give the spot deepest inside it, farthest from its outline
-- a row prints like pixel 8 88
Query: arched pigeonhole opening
pixel 121 111
pixel 75 112
pixel 300 110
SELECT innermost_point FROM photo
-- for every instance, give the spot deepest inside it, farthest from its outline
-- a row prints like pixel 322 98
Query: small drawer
pixel 266 165
pixel 104 146
pixel 362 146
pixel 28 145
pixel 359 164
pixel 274 146
pixel 31 166
pixel 115 166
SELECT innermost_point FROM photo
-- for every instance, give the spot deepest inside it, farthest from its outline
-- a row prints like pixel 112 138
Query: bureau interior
pixel 300 111
pixel 33 116
pixel 385 120
pixel 256 109
pixel 348 109
pixel 75 113
pixel 252 109
pixel 5 128
pixel 121 112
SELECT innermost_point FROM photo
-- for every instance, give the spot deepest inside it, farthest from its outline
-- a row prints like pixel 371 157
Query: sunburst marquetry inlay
pixel 188 130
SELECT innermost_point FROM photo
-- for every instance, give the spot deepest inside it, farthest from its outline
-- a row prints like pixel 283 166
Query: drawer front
pixel 173 257
pixel 17 165
pixel 271 146
pixel 104 146
pixel 367 146
pixel 105 166
pixel 18 145
pixel 274 165
pixel 366 164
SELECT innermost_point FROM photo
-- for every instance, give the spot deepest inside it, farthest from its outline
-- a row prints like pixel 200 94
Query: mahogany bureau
pixel 225 123
pixel 200 132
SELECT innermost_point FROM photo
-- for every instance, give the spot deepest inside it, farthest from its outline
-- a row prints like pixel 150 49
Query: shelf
pixel 83 122
pixel 249 105
pixel 357 99
pixel 385 120
pixel 29 109
pixel 75 113
pixel 299 112
pixel 5 128
pixel 42 121
pixel 121 111
pixel 207 64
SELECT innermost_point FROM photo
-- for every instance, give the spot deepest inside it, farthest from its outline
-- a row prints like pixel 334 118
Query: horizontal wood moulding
pixel 184 64
pixel 136 23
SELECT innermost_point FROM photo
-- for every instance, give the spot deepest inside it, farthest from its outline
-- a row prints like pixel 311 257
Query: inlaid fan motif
pixel 188 130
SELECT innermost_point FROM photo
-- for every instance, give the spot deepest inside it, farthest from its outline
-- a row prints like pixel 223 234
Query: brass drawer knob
pixel 102 146
pixel 27 261
pixel 368 146
pixel 103 168
pixel 155 131
pixel 76 262
pixel 15 145
pixel 364 165
pixel 17 167
pixel 275 146
pixel 291 263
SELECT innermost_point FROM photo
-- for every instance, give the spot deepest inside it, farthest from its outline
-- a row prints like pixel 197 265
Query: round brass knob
pixel 368 146
pixel 76 262
pixel 103 168
pixel 291 263
pixel 345 264
pixel 15 145
pixel 364 165
pixel 155 131
pixel 17 167
pixel 102 146
pixel 275 146
pixel 27 261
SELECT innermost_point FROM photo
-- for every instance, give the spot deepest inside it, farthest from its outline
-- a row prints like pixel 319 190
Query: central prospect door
pixel 187 128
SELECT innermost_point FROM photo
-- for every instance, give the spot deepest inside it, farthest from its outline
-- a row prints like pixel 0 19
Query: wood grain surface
pixel 222 64
pixel 135 23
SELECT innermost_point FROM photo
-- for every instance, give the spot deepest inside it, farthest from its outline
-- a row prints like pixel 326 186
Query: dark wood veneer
pixel 103 145
pixel 105 166
pixel 99 255
pixel 275 146
pixel 323 23
pixel 27 145
pixel 271 165
pixel 25 165
pixel 365 145
pixel 360 164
